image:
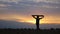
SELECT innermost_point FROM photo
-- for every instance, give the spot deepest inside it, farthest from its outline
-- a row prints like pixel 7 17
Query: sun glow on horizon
pixel 18 18
pixel 42 21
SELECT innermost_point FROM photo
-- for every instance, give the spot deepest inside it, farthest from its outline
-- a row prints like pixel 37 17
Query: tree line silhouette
pixel 29 31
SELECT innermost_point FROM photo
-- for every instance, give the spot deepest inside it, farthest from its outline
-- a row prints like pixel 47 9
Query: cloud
pixel 14 24
pixel 28 7
pixel 48 1
pixel 3 5
pixel 51 1
pixel 33 4
pixel 28 4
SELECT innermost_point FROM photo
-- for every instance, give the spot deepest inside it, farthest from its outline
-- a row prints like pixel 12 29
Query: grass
pixel 29 31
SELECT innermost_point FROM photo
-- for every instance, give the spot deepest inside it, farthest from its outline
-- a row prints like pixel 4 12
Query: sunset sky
pixel 21 10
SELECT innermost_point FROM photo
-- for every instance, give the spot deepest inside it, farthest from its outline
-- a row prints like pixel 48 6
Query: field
pixel 29 31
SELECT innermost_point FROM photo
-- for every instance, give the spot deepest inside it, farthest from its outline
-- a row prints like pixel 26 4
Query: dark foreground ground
pixel 29 31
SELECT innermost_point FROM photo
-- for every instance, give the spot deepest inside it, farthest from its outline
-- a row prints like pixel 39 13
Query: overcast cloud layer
pixel 28 7
pixel 45 5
